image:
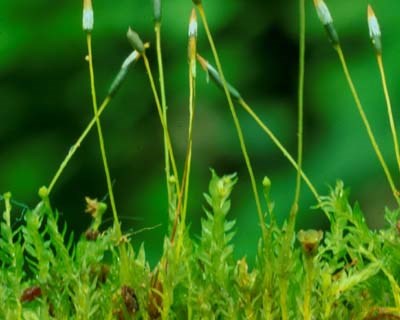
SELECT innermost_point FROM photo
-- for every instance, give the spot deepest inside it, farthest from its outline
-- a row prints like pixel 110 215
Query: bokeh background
pixel 45 104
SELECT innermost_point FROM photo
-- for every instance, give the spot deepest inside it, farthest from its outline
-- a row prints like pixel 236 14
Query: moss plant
pixel 346 272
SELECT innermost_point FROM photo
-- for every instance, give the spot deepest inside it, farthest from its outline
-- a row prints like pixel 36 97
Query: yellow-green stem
pixel 287 247
pixel 124 268
pixel 77 144
pixel 236 121
pixel 309 266
pixel 192 88
pixel 157 29
pixel 366 123
pixel 160 113
pixel 100 134
pixel 179 207
pixel 389 108
pixel 276 141
pixel 182 203
pixel 300 107
pixel 283 286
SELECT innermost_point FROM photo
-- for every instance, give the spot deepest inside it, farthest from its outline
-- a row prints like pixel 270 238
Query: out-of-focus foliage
pixel 45 104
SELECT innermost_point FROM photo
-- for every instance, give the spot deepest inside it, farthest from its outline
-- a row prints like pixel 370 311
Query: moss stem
pixel 287 246
pixel 276 141
pixel 300 105
pixel 160 113
pixel 366 123
pixel 77 144
pixel 181 209
pixel 389 108
pixel 157 29
pixel 236 121
pixel 100 134
pixel 192 89
pixel 124 275
pixel 309 266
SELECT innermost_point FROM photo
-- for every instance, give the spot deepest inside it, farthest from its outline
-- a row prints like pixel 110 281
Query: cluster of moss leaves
pixel 354 271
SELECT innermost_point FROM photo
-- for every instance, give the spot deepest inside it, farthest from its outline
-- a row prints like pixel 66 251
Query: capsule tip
pixel 87 17
pixel 374 29
pixel 371 12
pixel 193 24
pixel 135 41
pixel 323 12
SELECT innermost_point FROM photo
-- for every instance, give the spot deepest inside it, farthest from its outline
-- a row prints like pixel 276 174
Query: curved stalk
pixel 389 108
pixel 160 113
pixel 235 120
pixel 366 123
pixel 192 89
pixel 100 134
pixel 124 258
pixel 276 141
pixel 183 196
pixel 157 29
pixel 77 144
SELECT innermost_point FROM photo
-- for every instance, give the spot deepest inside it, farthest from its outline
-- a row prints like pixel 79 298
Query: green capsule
pixel 332 34
pixel 377 43
pixel 118 80
pixel 325 17
pixel 135 40
pixel 217 79
pixel 157 10
pixel 374 31
pixel 87 18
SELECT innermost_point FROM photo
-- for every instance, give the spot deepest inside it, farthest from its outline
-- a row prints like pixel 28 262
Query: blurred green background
pixel 45 104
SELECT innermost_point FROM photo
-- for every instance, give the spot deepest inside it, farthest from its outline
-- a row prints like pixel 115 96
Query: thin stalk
pixel 77 144
pixel 100 134
pixel 157 29
pixel 236 121
pixel 276 141
pixel 366 123
pixel 192 89
pixel 183 196
pixel 160 113
pixel 115 85
pixel 179 206
pixel 300 105
pixel 124 267
pixel 389 108
pixel 284 281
